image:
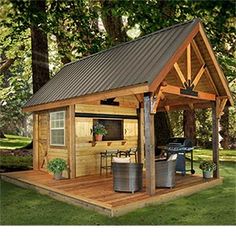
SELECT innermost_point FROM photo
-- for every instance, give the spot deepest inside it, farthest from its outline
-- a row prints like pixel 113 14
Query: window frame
pixel 61 128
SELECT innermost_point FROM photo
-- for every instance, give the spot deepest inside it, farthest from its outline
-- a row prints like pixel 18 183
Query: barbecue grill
pixel 181 146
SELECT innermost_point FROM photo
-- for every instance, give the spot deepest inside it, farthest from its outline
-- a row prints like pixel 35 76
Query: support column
pixel 35 141
pixel 71 140
pixel 149 145
pixel 215 139
pixel 140 134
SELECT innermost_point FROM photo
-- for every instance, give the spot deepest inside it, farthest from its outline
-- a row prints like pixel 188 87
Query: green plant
pixel 56 165
pixel 207 166
pixel 99 129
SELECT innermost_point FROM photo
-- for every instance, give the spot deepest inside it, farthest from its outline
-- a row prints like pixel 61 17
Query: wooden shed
pixel 123 87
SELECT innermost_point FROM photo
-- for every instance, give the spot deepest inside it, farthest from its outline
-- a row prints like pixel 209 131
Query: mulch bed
pixel 16 152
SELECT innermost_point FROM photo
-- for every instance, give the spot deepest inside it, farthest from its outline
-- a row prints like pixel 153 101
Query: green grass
pixel 216 206
pixel 206 154
pixel 13 142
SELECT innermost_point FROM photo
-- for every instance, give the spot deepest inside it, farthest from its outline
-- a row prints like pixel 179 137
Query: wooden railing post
pixel 149 145
pixel 215 139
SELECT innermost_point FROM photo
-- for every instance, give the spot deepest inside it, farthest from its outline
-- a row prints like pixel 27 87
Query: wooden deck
pixel 96 192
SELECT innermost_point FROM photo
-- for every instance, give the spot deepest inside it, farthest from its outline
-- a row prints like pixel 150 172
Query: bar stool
pixel 133 152
pixel 104 156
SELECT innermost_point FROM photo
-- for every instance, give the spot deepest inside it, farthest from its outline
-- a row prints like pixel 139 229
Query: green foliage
pixel 57 165
pixel 77 28
pixel 99 129
pixel 15 163
pixel 207 166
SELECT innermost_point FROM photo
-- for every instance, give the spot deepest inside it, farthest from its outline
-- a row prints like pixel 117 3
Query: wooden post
pixel 140 134
pixel 35 141
pixel 71 139
pixel 149 145
pixel 215 139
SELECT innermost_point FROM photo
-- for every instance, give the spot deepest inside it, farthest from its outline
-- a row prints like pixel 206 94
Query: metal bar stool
pixel 107 157
pixel 133 152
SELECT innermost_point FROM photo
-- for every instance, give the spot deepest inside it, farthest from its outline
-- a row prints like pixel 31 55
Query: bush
pixel 13 163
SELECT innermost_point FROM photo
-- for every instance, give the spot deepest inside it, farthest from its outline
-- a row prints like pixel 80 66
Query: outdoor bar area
pixel 118 93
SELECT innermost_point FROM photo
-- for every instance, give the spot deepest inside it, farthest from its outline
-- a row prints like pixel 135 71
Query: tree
pixel 39 44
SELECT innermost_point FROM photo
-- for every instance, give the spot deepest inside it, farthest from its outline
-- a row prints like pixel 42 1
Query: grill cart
pixel 181 146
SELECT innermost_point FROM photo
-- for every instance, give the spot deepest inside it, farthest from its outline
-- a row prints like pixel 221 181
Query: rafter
pixel 180 74
pixel 199 75
pixel 189 72
pixel 202 61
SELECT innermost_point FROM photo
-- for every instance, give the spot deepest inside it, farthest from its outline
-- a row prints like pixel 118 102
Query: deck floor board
pixel 97 191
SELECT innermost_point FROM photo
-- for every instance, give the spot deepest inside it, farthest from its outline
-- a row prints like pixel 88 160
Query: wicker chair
pixel 127 177
pixel 165 172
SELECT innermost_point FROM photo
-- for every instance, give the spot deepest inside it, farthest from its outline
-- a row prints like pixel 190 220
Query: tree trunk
pixel 2 134
pixel 189 125
pixel 163 130
pixel 112 23
pixel 39 43
pixel 224 123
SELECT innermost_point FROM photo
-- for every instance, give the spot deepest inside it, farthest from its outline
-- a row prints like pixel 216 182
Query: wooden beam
pixel 202 61
pixel 176 90
pixel 167 108
pixel 131 90
pixel 221 102
pixel 179 107
pixel 155 101
pixel 189 71
pixel 214 60
pixel 198 76
pixel 35 141
pixel 140 134
pixel 71 139
pixel 215 138
pixel 191 106
pixel 179 73
pixel 139 97
pixel 175 57
pixel 149 145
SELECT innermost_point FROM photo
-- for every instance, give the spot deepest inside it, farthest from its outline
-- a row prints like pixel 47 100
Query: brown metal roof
pixel 131 63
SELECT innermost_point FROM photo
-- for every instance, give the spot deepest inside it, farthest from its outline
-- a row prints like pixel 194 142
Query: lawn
pixel 13 142
pixel 216 206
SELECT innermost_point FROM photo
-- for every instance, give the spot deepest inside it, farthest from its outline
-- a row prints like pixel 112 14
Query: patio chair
pixel 165 172
pixel 127 177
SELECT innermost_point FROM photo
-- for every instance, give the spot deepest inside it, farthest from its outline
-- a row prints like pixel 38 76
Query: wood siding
pixel 45 151
pixel 88 154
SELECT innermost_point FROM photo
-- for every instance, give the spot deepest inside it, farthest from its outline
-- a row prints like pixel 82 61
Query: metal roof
pixel 132 63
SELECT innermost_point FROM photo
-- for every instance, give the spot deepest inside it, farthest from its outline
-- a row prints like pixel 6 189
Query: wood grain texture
pixel 96 192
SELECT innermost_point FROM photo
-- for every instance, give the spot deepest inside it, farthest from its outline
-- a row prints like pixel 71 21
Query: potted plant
pixel 207 167
pixel 56 166
pixel 99 130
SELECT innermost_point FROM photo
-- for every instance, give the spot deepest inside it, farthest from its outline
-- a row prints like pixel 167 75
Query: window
pixel 57 128
pixel 114 129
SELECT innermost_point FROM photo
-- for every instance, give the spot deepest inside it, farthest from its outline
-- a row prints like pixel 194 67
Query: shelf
pixel 107 142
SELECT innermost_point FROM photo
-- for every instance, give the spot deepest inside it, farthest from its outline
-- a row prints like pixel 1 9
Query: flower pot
pixel 58 176
pixel 206 174
pixel 98 137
